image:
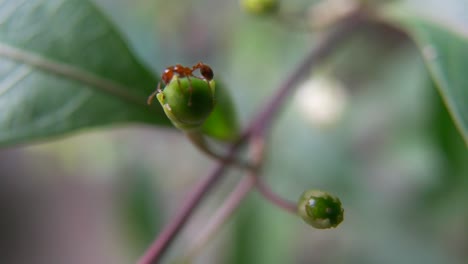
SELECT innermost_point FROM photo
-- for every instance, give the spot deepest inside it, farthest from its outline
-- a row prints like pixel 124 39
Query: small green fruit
pixel 260 7
pixel 320 209
pixel 187 103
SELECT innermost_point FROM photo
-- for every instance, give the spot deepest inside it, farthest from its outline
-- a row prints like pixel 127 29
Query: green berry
pixel 260 7
pixel 187 102
pixel 320 209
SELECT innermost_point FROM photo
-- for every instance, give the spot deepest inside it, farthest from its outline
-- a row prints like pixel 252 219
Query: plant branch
pixel 324 48
pixel 271 196
pixel 233 201
pixel 199 141
pixel 259 124
pixel 229 206
pixel 166 237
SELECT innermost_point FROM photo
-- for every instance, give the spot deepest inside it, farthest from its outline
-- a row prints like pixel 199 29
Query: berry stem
pixel 198 140
pixel 221 216
pixel 166 237
pixel 273 197
pixel 259 125
pixel 232 202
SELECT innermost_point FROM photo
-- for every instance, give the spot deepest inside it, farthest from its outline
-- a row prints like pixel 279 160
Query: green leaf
pixel 445 52
pixel 64 67
pixel 140 205
pixel 222 124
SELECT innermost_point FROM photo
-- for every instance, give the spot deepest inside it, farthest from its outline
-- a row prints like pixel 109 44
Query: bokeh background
pixel 378 137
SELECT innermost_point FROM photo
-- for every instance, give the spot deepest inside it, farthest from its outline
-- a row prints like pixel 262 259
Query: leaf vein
pixel 64 70
pixel 7 12
pixel 60 115
pixel 14 78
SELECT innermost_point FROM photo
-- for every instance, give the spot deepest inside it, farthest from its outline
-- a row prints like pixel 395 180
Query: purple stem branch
pixel 229 206
pixel 166 237
pixel 273 197
pixel 259 124
pixel 234 199
pixel 314 58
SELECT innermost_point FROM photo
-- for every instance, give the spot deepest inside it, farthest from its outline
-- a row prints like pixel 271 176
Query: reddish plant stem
pixel 259 124
pixel 165 238
pixel 232 202
pixel 265 117
pixel 273 197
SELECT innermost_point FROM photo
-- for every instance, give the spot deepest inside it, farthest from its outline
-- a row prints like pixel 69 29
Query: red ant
pixel 182 71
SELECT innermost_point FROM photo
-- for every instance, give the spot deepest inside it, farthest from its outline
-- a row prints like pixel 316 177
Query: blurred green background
pixel 392 154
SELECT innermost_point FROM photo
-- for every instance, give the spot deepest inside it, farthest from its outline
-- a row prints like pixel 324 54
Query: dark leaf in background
pixel 445 52
pixel 140 207
pixel 222 124
pixel 64 67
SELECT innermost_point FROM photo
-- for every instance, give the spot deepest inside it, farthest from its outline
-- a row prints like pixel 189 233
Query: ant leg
pixel 190 91
pixel 207 82
pixel 203 79
pixel 178 82
pixel 159 90
pixel 209 85
pixel 190 87
pixel 150 99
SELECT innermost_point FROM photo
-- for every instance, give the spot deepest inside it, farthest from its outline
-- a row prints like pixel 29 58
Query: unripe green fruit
pixel 187 103
pixel 260 7
pixel 320 209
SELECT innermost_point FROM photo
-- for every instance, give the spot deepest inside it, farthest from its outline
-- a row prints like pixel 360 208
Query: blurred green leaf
pixel 454 170
pixel 140 206
pixel 64 67
pixel 245 237
pixel 445 53
pixel 222 124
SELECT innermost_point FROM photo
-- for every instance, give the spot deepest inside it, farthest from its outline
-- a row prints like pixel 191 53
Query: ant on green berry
pixel 182 71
